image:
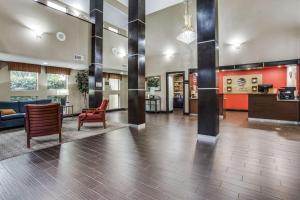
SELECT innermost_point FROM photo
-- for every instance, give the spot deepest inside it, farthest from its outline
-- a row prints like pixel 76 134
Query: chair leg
pixel 79 125
pixel 60 140
pixel 28 141
pixel 104 124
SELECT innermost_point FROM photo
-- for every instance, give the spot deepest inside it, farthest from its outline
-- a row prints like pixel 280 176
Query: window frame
pixel 66 81
pixel 119 84
pixel 16 90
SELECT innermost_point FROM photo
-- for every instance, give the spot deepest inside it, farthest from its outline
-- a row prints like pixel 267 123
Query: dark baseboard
pixel 186 113
pixel 236 110
pixel 115 110
pixel 69 116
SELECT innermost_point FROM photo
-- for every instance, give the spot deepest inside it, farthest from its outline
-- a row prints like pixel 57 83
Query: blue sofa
pixel 16 120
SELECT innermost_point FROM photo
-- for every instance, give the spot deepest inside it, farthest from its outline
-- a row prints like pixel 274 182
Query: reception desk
pixel 269 107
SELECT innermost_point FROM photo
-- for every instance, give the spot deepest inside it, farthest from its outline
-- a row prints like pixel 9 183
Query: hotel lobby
pixel 149 99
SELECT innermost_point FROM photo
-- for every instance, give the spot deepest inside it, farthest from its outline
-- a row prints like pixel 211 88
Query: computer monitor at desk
pixel 287 93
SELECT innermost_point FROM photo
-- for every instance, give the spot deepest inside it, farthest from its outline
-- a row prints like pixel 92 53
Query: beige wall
pixel 267 30
pixel 161 32
pixel 17 36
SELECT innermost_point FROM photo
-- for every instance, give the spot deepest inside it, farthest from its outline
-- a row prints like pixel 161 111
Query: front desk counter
pixel 269 107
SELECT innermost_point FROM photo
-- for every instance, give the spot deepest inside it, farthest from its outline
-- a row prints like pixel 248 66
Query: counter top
pixel 289 100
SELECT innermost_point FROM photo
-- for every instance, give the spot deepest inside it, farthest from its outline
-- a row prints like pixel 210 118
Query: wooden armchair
pixel 42 120
pixel 94 115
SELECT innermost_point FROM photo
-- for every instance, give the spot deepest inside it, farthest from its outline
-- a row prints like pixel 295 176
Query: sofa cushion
pixel 43 101
pixel 10 105
pixel 7 111
pixel 23 103
pixel 12 117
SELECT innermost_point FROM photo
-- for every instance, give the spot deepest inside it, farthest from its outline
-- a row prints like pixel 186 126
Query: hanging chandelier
pixel 188 35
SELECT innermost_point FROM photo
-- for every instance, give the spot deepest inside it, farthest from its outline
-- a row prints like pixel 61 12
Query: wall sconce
pixel 121 53
pixel 169 53
pixel 38 33
pixel 237 46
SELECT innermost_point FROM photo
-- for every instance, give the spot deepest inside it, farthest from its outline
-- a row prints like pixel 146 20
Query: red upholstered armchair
pixel 42 120
pixel 93 115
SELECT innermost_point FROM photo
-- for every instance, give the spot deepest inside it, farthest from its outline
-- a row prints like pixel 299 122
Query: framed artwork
pixel 229 81
pixel 241 84
pixel 254 80
pixel 153 82
pixel 229 89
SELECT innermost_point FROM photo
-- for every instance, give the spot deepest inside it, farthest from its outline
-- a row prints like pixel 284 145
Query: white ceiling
pixel 151 5
pixel 117 17
pixel 155 5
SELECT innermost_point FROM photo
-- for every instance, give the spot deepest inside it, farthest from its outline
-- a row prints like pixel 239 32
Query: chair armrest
pixel 99 112
pixel 88 110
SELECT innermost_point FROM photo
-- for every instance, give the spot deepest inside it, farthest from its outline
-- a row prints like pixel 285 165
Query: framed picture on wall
pixel 229 89
pixel 153 82
pixel 254 89
pixel 229 81
pixel 254 80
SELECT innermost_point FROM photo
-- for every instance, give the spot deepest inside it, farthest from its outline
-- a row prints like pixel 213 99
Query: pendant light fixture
pixel 188 35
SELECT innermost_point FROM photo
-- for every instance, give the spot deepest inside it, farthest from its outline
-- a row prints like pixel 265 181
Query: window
pixel 23 98
pixel 57 81
pixel 23 81
pixel 114 101
pixel 114 84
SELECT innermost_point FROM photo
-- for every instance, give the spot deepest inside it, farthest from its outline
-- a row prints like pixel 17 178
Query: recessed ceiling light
pixel 56 6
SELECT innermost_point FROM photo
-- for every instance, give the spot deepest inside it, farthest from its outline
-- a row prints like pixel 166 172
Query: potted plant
pixel 82 80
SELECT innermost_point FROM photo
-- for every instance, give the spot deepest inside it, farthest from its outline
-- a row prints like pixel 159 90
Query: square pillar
pixel 136 63
pixel 208 60
pixel 96 66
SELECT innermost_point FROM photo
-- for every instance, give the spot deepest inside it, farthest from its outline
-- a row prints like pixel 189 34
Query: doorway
pixel 175 91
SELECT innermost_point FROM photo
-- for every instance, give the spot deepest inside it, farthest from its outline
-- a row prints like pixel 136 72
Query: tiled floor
pixel 163 162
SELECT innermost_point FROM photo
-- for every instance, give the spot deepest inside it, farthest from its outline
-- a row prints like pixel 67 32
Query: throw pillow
pixel 7 112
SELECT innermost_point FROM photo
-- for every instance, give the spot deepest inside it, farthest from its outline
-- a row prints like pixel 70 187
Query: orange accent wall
pixel 271 75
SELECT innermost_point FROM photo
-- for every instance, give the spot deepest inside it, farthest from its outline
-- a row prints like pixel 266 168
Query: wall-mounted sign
pixel 243 84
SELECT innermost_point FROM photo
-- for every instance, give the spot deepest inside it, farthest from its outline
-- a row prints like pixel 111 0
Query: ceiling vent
pixel 79 58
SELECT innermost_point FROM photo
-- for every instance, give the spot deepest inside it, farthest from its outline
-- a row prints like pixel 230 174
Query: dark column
pixel 136 63
pixel 96 69
pixel 208 60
